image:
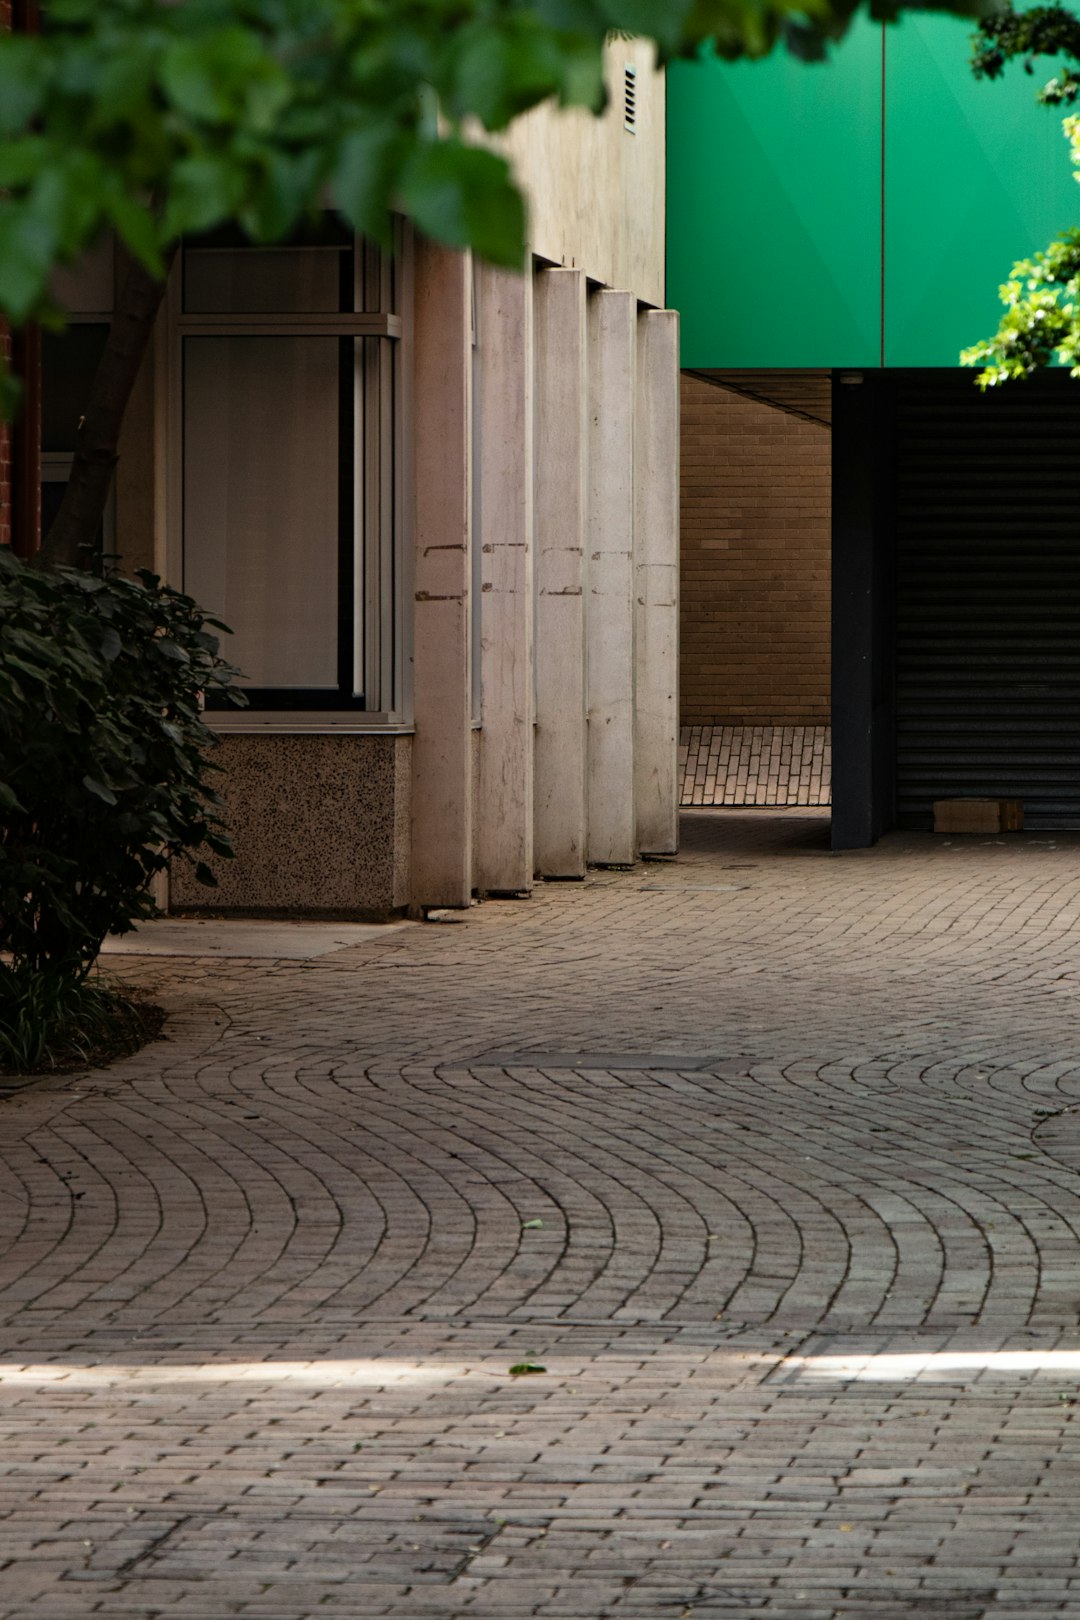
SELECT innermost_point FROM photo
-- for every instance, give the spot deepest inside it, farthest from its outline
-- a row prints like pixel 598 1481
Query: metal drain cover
pixel 693 888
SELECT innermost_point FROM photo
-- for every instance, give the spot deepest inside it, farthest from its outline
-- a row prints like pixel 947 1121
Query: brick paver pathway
pixel 755 765
pixel 803 1134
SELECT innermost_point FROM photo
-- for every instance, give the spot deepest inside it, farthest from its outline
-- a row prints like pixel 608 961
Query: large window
pixel 69 360
pixel 288 362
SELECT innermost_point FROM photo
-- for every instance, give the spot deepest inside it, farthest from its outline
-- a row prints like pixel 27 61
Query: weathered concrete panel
pixel 656 583
pixel 596 190
pixel 505 519
pixel 442 776
pixel 610 610
pixel 560 524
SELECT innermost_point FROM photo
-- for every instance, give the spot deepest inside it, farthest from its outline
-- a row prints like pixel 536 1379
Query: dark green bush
pixel 49 1021
pixel 103 763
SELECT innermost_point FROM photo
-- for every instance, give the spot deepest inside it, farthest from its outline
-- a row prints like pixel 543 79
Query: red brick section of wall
pixel 756 496
pixel 5 349
pixel 20 444
pixel 5 456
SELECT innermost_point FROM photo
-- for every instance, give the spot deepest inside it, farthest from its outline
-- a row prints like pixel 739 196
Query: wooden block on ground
pixel 978 815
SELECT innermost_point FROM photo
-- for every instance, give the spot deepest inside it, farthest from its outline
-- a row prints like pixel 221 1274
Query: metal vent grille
pixel 630 99
pixel 988 595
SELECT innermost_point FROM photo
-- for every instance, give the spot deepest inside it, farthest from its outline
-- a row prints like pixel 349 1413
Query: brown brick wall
pixel 755 553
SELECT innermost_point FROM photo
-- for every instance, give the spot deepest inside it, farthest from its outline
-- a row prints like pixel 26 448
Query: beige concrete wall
pixel 503 407
pixel 595 191
pixel 349 825
pixel 656 582
pixel 609 613
pixel 560 526
pixel 320 825
pixel 441 431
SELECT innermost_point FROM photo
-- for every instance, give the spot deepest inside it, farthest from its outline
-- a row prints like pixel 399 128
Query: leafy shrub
pixel 103 765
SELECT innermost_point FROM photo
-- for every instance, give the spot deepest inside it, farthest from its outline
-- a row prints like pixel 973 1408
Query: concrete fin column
pixel 610 597
pixel 442 746
pixel 560 526
pixel 505 472
pixel 656 583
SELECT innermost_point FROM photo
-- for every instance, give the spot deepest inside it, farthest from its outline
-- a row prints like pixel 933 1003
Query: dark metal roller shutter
pixel 988 595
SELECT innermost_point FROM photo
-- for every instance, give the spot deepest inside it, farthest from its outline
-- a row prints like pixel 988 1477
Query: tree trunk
pixel 72 539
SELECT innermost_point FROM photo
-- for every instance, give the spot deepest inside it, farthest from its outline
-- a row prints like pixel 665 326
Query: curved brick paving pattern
pixel 803 1136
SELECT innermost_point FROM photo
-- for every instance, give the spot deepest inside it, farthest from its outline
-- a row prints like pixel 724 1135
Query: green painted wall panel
pixel 774 200
pixel 977 175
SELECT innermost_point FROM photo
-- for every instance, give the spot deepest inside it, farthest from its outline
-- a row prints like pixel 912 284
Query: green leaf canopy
pixel 158 119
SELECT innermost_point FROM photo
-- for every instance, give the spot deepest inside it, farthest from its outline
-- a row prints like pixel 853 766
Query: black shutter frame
pixel 863 609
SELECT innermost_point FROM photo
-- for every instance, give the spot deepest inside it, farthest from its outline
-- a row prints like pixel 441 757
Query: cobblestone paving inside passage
pixel 755 765
pixel 803 1134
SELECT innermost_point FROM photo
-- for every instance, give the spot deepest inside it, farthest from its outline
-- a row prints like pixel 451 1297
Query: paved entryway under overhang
pixel 755 587
pixel 765 766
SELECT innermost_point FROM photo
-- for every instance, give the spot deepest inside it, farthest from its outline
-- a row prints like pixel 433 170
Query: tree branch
pixel 72 539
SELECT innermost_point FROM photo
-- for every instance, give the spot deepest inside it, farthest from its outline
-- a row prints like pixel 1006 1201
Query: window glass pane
pixel 86 287
pixel 53 485
pixel 68 362
pixel 52 493
pixel 261 519
pixel 265 281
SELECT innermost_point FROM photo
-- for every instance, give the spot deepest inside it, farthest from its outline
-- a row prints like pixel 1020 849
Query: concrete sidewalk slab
pixel 281 941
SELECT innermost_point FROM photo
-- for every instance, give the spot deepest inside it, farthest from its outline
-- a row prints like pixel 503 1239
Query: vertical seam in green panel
pixel 881 323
